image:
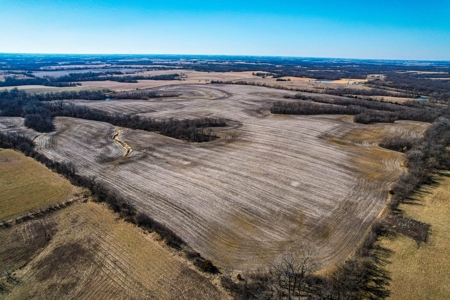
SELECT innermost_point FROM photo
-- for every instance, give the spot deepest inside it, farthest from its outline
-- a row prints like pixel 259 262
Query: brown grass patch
pixel 27 185
pixel 90 253
pixel 349 81
pixel 423 272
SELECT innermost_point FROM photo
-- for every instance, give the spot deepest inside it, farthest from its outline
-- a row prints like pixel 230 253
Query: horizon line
pixel 226 55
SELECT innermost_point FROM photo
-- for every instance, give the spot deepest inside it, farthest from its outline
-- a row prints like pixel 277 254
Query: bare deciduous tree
pixel 290 273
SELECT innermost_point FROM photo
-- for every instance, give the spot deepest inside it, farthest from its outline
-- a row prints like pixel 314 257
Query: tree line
pixel 113 76
pixel 102 95
pixel 325 69
pixel 436 89
pixel 142 94
pixel 12 81
pixel 38 115
pixel 344 91
pixel 194 130
pixel 347 92
pixel 365 111
pixel 364 94
pixel 72 95
pixel 425 156
pixel 72 79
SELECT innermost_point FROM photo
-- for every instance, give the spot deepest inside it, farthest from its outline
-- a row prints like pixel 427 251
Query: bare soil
pixel 268 183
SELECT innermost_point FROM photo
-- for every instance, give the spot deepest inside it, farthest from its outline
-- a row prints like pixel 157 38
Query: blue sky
pixel 396 29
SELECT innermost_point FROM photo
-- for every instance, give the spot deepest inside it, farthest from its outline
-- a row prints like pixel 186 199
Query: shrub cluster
pixel 400 144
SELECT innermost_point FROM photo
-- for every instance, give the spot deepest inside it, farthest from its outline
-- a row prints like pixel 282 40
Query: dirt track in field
pixel 271 181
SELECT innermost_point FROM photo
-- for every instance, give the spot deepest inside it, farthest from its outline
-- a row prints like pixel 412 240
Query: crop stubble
pixel 85 252
pixel 270 182
pixel 21 190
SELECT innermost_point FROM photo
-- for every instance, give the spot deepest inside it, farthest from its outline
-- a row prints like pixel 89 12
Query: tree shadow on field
pixel 443 174
pixel 372 278
pixel 416 198
pixel 382 254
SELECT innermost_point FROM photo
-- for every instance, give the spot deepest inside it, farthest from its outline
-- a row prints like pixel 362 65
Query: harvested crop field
pixel 86 252
pixel 195 77
pixel 15 125
pixel 27 185
pixel 268 183
pixel 190 77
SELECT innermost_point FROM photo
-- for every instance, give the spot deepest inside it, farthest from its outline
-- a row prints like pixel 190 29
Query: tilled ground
pixel 270 182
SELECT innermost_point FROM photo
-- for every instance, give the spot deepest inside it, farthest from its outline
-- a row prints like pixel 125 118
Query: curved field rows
pixel 84 252
pixel 15 124
pixel 272 182
pixel 93 139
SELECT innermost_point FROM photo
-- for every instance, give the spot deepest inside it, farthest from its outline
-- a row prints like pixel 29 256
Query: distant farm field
pixel 196 77
pixel 270 182
pixel 423 272
pixel 27 185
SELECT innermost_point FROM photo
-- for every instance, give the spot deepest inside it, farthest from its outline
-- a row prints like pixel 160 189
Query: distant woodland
pixel 400 78
pixel 74 78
